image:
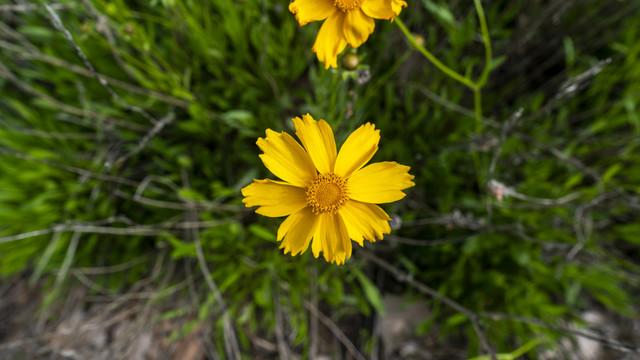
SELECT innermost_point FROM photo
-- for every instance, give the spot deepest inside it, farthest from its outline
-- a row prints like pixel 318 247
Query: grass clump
pixel 525 206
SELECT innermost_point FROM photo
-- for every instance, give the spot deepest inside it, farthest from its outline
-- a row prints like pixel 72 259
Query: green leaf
pixel 456 319
pixel 497 61
pixel 441 12
pixel 517 353
pixel 263 295
pixel 573 180
pixel 262 232
pixel 569 51
pixel 191 194
pixel 180 249
pixel 239 119
pixel 610 173
pixel 371 292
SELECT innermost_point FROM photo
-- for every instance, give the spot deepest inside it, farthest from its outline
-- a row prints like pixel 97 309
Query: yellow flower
pixel 347 22
pixel 327 195
pixel 397 6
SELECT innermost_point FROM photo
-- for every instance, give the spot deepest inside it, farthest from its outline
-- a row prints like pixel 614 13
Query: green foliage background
pixel 76 182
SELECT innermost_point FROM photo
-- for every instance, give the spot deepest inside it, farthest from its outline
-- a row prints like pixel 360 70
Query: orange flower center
pixel 327 193
pixel 347 5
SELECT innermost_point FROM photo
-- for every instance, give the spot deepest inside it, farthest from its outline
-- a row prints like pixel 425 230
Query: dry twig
pixel 57 23
pixel 402 277
pixel 335 330
pixel 611 343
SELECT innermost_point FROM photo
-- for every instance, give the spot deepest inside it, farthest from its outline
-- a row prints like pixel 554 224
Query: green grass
pixel 217 73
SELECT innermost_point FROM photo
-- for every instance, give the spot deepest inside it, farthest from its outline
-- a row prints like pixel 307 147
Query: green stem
pixel 451 73
pixel 484 76
pixel 486 39
pixel 477 108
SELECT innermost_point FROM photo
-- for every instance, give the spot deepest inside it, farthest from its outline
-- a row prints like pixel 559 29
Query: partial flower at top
pixel 347 22
pixel 397 6
pixel 327 196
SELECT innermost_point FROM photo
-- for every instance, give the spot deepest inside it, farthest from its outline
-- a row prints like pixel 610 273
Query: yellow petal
pixel 307 11
pixel 365 221
pixel 332 238
pixel 317 138
pixel 378 9
pixel 357 27
pixel 357 150
pixel 274 198
pixel 330 40
pixel 397 6
pixel 339 258
pixel 286 159
pixel 296 231
pixel 380 182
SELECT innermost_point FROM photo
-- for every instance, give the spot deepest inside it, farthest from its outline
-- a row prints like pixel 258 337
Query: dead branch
pixel 335 330
pixel 57 23
pixel 402 277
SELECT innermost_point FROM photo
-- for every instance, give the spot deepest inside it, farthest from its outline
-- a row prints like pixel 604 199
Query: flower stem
pixel 444 68
pixel 477 108
pixel 486 39
pixel 476 86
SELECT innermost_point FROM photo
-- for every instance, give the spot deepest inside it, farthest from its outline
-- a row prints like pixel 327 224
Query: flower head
pixel 347 22
pixel 329 197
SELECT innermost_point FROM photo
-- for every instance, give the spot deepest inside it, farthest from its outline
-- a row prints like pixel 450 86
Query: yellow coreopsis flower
pixel 347 22
pixel 397 6
pixel 328 196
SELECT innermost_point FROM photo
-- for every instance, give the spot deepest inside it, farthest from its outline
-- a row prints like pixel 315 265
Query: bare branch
pixel 111 269
pixel 455 219
pixel 37 55
pixel 31 7
pixel 430 242
pixel 583 217
pixel 313 338
pixel 473 316
pixel 611 343
pixel 5 73
pixel 68 258
pixel 500 190
pixel 103 24
pixel 58 24
pixel 402 277
pixel 53 135
pixel 335 330
pixel 231 342
pixel 574 162
pixel 27 235
pixel 283 349
pixel 145 140
pixel 140 230
pixel 442 101
pixel 506 127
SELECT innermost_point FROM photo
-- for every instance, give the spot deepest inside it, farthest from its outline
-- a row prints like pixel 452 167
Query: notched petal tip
pixel 339 260
pixel 365 221
pixel 307 11
pixel 293 8
pixel 397 5
pixel 330 40
pixel 317 139
pixel 331 238
pixel 286 158
pixel 296 231
pixel 357 150
pixel 329 61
